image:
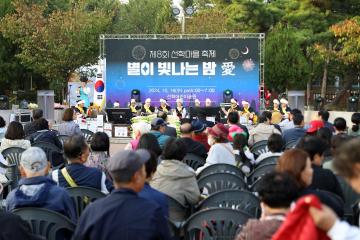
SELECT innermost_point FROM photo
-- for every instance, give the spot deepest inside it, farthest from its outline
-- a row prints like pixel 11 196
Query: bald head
pixel 186 130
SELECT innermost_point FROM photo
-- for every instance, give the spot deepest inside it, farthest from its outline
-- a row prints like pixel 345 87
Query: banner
pixel 182 68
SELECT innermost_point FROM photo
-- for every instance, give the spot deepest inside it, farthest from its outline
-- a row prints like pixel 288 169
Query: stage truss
pixel 259 36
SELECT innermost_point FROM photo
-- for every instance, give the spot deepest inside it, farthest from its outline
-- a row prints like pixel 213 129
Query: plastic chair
pixel 215 223
pixel 46 223
pixel 83 196
pixel 220 181
pixel 234 199
pixel 87 134
pixel 63 138
pixel 268 160
pixel 259 143
pixel 291 144
pixel 260 148
pixel 259 172
pixel 174 230
pixel 193 161
pixel 12 174
pixel 53 153
pixel 254 188
pixel 177 212
pixel 221 168
pixel 13 155
pixel 351 198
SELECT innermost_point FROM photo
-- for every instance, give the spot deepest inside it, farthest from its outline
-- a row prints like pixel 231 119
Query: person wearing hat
pixel 221 150
pixel 79 108
pixel 199 133
pixel 76 152
pixel 208 102
pixel 193 147
pixel 134 108
pixel 315 125
pixel 147 109
pixel 234 107
pixel 123 214
pixel 157 129
pixel 164 106
pixel 169 130
pixel 246 107
pixel 285 109
pixel 180 110
pixel 35 189
pixel 276 105
pixel 197 103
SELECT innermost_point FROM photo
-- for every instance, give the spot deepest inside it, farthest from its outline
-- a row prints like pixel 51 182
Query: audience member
pixel 138 129
pixel 192 146
pixel 149 142
pixel 288 123
pixel 336 142
pixel 276 193
pixel 36 190
pixel 199 133
pixel 324 116
pixel 202 118
pixel 354 130
pixel 340 126
pixel 68 126
pixel 43 134
pixel 297 163
pixel 221 150
pixel 157 129
pixel 263 130
pixel 123 214
pixel 243 157
pixel 325 134
pixel 346 164
pixel 233 119
pixel 150 193
pixel 100 152
pixel 175 178
pixel 2 128
pixel 294 134
pixel 169 131
pixel 14 137
pixel 314 126
pixel 30 127
pixel 323 179
pixel 76 151
pixel 275 145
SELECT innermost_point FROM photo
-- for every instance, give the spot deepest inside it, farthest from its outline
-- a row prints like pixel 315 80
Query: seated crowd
pixel 140 180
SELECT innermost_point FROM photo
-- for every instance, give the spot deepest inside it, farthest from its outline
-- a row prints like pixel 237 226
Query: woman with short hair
pixel 68 126
pixel 14 137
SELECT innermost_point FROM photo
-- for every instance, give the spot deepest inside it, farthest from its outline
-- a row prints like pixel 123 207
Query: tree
pixel 55 44
pixel 285 64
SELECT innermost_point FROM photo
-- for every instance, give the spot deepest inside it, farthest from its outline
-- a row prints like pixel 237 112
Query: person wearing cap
pixel 276 105
pixel 123 214
pixel 173 177
pixel 37 190
pixel 199 133
pixel 193 147
pixel 157 129
pixel 133 107
pixel 169 130
pixel 147 109
pixel 76 152
pixel 164 106
pixel 221 150
pixel 314 126
pixel 263 130
pixel 180 110
pixel 285 109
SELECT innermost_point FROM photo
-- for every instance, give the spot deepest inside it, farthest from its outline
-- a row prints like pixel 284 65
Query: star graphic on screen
pixel 145 68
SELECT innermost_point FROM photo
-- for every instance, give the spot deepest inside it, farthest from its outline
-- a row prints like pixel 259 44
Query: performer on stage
pixel 276 104
pixel 133 107
pixel 197 103
pixel 246 107
pixel 208 102
pixel 285 110
pixel 79 108
pixel 84 91
pixel 147 109
pixel 180 110
pixel 164 107
pixel 116 104
pixel 233 108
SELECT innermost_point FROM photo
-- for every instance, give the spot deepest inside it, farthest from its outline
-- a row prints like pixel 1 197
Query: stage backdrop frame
pixel 259 36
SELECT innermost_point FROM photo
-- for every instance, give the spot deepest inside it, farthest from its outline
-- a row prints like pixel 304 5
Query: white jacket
pixel 261 132
pixel 21 143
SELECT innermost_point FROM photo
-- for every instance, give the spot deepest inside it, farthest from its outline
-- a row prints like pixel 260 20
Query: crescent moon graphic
pixel 246 51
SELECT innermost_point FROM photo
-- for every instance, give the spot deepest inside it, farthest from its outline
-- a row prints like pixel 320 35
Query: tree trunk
pixel 324 78
pixel 308 93
pixel 349 78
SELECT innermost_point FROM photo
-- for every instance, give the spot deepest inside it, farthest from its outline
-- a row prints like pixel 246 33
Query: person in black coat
pixel 147 109
pixel 30 128
pixel 192 146
pixel 164 107
pixel 284 109
pixel 170 131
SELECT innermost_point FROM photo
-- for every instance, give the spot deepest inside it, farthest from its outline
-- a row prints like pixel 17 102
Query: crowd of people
pixel 138 179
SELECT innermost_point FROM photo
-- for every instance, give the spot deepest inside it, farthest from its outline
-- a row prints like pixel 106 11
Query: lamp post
pixel 179 11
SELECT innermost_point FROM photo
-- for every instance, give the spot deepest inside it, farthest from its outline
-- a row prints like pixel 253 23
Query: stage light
pixel 227 96
pixel 353 104
pixel 135 94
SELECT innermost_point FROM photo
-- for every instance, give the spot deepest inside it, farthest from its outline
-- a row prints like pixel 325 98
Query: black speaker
pixel 227 96
pixel 135 94
pixel 4 102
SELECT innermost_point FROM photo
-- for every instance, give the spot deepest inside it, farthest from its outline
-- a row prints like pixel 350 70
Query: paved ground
pixel 117 144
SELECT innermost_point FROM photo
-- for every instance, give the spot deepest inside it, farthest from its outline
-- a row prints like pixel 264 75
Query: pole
pixel 183 23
